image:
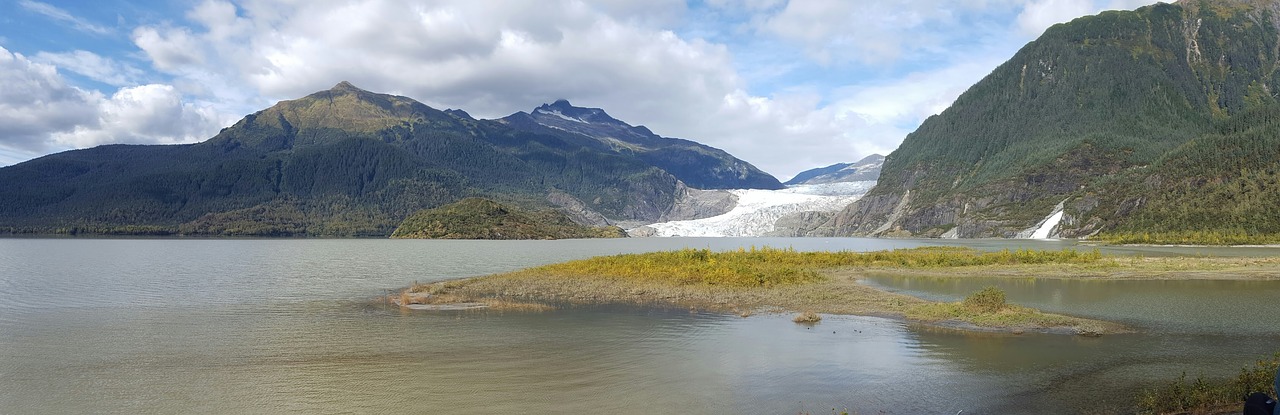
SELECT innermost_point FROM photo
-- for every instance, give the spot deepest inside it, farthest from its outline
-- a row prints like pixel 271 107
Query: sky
pixel 787 85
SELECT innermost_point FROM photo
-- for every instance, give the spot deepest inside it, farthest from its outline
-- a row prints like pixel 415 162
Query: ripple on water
pixel 288 325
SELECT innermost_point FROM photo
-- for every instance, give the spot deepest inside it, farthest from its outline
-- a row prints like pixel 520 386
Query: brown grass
pixel 807 317
pixel 744 282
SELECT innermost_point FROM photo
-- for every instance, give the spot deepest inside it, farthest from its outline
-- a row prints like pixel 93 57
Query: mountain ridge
pixel 866 169
pixel 1096 114
pixel 342 161
pixel 687 160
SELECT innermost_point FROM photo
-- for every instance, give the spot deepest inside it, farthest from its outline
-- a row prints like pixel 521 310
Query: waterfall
pixel 1046 227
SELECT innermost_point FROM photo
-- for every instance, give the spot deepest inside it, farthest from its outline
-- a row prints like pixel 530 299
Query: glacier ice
pixel 758 210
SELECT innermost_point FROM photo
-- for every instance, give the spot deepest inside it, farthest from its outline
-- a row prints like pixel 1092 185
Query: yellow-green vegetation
pixel 987 308
pixel 769 267
pixel 477 218
pixel 1201 396
pixel 1238 237
pixel 772 279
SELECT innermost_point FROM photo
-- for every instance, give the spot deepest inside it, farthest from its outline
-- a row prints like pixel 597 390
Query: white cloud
pixel 35 101
pixel 878 32
pixel 146 114
pixel 169 49
pixel 1039 15
pixel 93 66
pixel 61 15
pixel 495 61
pixel 621 55
pixel 40 112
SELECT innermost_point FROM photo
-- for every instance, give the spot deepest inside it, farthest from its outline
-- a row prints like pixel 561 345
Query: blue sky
pixel 786 85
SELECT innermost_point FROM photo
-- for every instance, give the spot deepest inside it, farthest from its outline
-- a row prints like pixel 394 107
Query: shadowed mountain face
pixel 697 165
pixel 1163 119
pixel 343 161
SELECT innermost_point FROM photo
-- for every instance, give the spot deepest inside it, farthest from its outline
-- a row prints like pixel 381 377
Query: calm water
pixel 266 326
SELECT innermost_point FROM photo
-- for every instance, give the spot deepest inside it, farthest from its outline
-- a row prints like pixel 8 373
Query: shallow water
pixel 265 326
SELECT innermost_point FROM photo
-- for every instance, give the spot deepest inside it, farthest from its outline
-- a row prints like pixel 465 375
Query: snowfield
pixel 758 211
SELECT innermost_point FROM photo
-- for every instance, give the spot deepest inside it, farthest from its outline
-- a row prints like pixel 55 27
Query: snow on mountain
pixel 866 169
pixel 758 210
pixel 557 113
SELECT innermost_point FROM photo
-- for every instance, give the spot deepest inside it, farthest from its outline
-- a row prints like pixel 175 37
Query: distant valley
pixel 812 197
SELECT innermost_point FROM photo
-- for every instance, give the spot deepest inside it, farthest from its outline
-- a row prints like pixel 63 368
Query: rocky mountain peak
pixel 562 109
pixel 345 86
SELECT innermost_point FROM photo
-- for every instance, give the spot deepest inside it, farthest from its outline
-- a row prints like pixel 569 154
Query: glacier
pixel 757 210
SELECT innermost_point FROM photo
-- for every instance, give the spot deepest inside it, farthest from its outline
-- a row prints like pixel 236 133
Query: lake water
pixel 269 326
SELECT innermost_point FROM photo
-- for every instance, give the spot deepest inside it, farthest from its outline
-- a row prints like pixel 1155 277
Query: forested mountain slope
pixel 338 162
pixel 1159 120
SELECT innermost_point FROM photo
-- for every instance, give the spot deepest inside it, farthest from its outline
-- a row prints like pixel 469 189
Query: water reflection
pixel 1191 306
pixel 162 326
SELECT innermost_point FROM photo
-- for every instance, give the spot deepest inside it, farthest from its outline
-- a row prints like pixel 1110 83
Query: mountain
pixel 697 165
pixel 343 161
pixel 478 218
pixel 867 169
pixel 1162 120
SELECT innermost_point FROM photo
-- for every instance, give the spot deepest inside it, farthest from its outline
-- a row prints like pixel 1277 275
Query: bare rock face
pixel 576 210
pixel 689 204
pixel 697 204
pixel 801 224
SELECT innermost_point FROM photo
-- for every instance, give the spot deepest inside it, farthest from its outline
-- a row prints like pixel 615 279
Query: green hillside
pixel 1163 119
pixel 342 162
pixel 477 218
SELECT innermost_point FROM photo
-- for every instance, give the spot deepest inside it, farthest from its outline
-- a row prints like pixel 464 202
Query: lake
pixel 294 325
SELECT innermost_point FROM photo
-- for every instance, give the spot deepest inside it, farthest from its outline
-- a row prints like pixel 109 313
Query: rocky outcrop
pixel 697 204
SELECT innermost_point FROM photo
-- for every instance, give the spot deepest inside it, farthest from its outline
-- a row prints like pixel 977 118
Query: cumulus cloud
pixel 41 112
pixel 170 49
pixel 496 61
pixel 146 114
pixel 35 101
pixel 627 56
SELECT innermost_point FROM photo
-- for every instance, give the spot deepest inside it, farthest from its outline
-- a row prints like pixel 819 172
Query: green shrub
pixel 1203 395
pixel 987 300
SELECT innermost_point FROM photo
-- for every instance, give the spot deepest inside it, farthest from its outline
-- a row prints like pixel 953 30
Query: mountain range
pixel 1158 121
pixel 346 161
pixel 1160 124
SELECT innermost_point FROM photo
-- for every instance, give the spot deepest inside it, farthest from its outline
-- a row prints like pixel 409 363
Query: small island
pixel 479 218
pixel 782 280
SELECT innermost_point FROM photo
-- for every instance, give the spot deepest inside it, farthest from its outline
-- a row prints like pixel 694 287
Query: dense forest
pixel 478 218
pixel 1160 120
pixel 343 162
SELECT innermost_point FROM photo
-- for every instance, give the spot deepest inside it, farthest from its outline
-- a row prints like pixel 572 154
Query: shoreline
pixel 524 292
pixel 825 287
pixel 785 281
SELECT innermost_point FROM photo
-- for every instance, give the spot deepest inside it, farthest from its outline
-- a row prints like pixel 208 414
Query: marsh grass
pixel 1203 395
pixel 767 267
pixel 746 281
pixel 1212 238
pixel 807 317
